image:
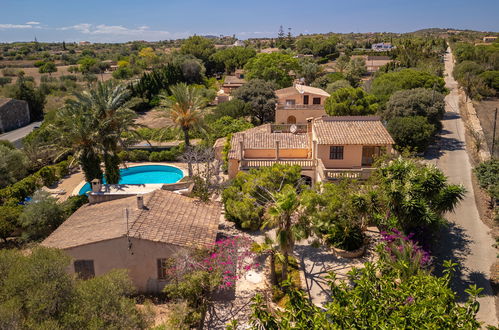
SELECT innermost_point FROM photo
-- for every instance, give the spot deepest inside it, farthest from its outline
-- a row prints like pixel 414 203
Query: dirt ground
pixel 485 111
pixel 61 71
pixel 153 119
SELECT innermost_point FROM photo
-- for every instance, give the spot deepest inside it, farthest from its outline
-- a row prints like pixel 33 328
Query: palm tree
pixel 105 113
pixel 269 248
pixel 183 108
pixel 281 213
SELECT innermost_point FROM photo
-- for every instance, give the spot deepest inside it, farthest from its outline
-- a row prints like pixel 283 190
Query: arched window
pixel 291 120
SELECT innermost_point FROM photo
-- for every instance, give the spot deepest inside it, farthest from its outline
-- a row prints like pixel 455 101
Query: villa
pixel 296 104
pixel 138 233
pixel 326 148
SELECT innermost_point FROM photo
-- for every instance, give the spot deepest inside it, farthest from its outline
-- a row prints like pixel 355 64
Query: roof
pixel 233 80
pixel 301 89
pixel 363 130
pixel 168 218
pixel 261 137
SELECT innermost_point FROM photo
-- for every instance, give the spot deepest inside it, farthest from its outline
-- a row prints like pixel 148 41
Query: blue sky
pixel 124 20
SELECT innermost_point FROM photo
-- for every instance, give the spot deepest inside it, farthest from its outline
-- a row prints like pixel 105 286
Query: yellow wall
pixel 352 156
pixel 281 115
pixel 298 97
pixel 271 154
pixel 140 260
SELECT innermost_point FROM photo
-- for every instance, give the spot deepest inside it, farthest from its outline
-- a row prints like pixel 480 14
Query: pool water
pixel 144 174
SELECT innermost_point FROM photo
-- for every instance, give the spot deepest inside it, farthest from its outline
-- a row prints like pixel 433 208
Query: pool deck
pixel 71 185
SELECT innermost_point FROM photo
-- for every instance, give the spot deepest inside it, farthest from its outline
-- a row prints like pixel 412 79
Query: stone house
pixel 138 233
pixel 13 114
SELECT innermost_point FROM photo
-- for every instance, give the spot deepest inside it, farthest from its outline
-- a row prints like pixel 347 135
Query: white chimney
pixel 140 202
pixel 96 185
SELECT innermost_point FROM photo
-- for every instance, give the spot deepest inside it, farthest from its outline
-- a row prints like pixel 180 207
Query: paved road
pixel 17 135
pixel 466 240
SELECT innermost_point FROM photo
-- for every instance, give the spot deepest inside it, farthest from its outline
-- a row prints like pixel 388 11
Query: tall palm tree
pixel 105 113
pixel 281 213
pixel 184 109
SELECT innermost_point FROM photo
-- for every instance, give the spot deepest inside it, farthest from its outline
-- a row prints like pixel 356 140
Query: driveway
pixel 17 135
pixel 467 239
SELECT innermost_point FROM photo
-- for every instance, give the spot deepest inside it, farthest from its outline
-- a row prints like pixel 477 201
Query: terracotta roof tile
pixel 364 130
pixel 168 218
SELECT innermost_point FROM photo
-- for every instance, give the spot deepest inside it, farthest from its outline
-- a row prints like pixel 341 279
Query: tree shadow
pixel 453 244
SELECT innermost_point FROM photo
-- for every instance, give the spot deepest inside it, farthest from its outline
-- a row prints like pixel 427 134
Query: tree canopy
pixel 413 133
pixel 274 67
pixel 386 84
pixel 351 102
pixel 260 96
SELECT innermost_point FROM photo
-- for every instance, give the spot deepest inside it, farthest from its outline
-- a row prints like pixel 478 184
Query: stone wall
pixel 13 114
pixel 473 124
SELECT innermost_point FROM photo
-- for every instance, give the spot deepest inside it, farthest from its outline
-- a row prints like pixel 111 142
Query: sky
pixel 151 20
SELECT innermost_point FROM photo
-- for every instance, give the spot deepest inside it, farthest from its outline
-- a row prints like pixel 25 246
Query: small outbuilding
pixel 138 233
pixel 13 114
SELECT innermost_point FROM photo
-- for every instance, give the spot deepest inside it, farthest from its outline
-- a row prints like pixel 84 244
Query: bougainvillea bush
pixel 196 277
pixel 380 296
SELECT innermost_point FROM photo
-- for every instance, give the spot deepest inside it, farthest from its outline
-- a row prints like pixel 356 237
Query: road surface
pixel 467 240
pixel 17 135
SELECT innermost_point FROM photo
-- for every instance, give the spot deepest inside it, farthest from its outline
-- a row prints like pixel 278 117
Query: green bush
pixel 411 133
pixel 138 155
pixel 488 176
pixel 5 81
pixel 9 216
pixel 73 203
pixel 345 235
pixel 47 174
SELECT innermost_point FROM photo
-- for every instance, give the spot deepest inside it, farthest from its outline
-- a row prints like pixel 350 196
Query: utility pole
pixel 494 134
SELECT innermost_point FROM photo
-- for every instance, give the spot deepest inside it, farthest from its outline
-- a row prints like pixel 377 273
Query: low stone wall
pixel 94 198
pixel 474 124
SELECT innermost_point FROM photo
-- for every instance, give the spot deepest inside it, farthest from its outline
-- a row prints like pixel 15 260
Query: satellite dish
pixel 293 128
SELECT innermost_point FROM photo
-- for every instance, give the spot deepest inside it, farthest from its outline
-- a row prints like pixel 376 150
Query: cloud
pixel 15 26
pixel 33 23
pixel 116 30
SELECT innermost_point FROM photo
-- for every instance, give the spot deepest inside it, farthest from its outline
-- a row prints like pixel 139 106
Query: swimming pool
pixel 145 174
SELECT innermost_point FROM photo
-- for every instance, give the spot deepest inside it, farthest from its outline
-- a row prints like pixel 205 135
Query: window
pixel 316 100
pixel 305 99
pixel 290 102
pixel 336 152
pixel 291 120
pixel 84 269
pixel 164 265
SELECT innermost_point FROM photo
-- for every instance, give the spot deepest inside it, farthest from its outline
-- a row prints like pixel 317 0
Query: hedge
pixel 152 156
pixel 46 176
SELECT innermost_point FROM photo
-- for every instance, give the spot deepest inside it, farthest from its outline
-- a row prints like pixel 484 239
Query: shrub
pixel 245 198
pixel 488 176
pixel 8 220
pixel 5 81
pixel 155 156
pixel 345 235
pixel 40 216
pixel 48 176
pixel 138 155
pixel 72 204
pixel 411 133
pixel 10 72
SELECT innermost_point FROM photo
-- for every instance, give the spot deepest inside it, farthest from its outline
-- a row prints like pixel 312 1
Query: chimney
pixel 276 149
pixel 96 185
pixel 140 202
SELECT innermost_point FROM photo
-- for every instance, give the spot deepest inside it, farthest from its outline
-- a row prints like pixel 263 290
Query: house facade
pixel 298 103
pixel 326 148
pixel 138 233
pixel 13 114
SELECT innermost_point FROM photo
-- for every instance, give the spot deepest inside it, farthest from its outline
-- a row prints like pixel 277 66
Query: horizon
pixel 153 20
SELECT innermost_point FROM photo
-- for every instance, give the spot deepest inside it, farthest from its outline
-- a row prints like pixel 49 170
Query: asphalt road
pixel 17 135
pixel 467 240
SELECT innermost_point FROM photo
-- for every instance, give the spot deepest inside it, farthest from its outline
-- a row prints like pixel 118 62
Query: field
pixel 61 71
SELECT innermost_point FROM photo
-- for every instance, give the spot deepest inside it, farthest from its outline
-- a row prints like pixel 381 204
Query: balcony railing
pixel 300 106
pixel 333 174
pixel 255 163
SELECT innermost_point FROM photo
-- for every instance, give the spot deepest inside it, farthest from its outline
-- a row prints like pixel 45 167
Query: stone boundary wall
pixel 474 123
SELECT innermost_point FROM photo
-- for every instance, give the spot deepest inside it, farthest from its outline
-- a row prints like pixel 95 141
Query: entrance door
pixel 369 154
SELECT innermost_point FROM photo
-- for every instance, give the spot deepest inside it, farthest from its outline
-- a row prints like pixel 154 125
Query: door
pixel 291 120
pixel 305 99
pixel 369 153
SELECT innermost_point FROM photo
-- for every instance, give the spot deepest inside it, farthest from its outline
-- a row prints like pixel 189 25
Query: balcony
pixel 281 106
pixel 306 164
pixel 286 128
pixel 334 174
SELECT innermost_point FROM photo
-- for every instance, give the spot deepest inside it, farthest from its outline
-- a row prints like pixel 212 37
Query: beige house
pixel 296 104
pixel 233 82
pixel 326 148
pixel 137 233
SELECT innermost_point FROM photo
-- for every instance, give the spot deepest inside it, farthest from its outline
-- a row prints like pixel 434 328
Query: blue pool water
pixel 145 174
